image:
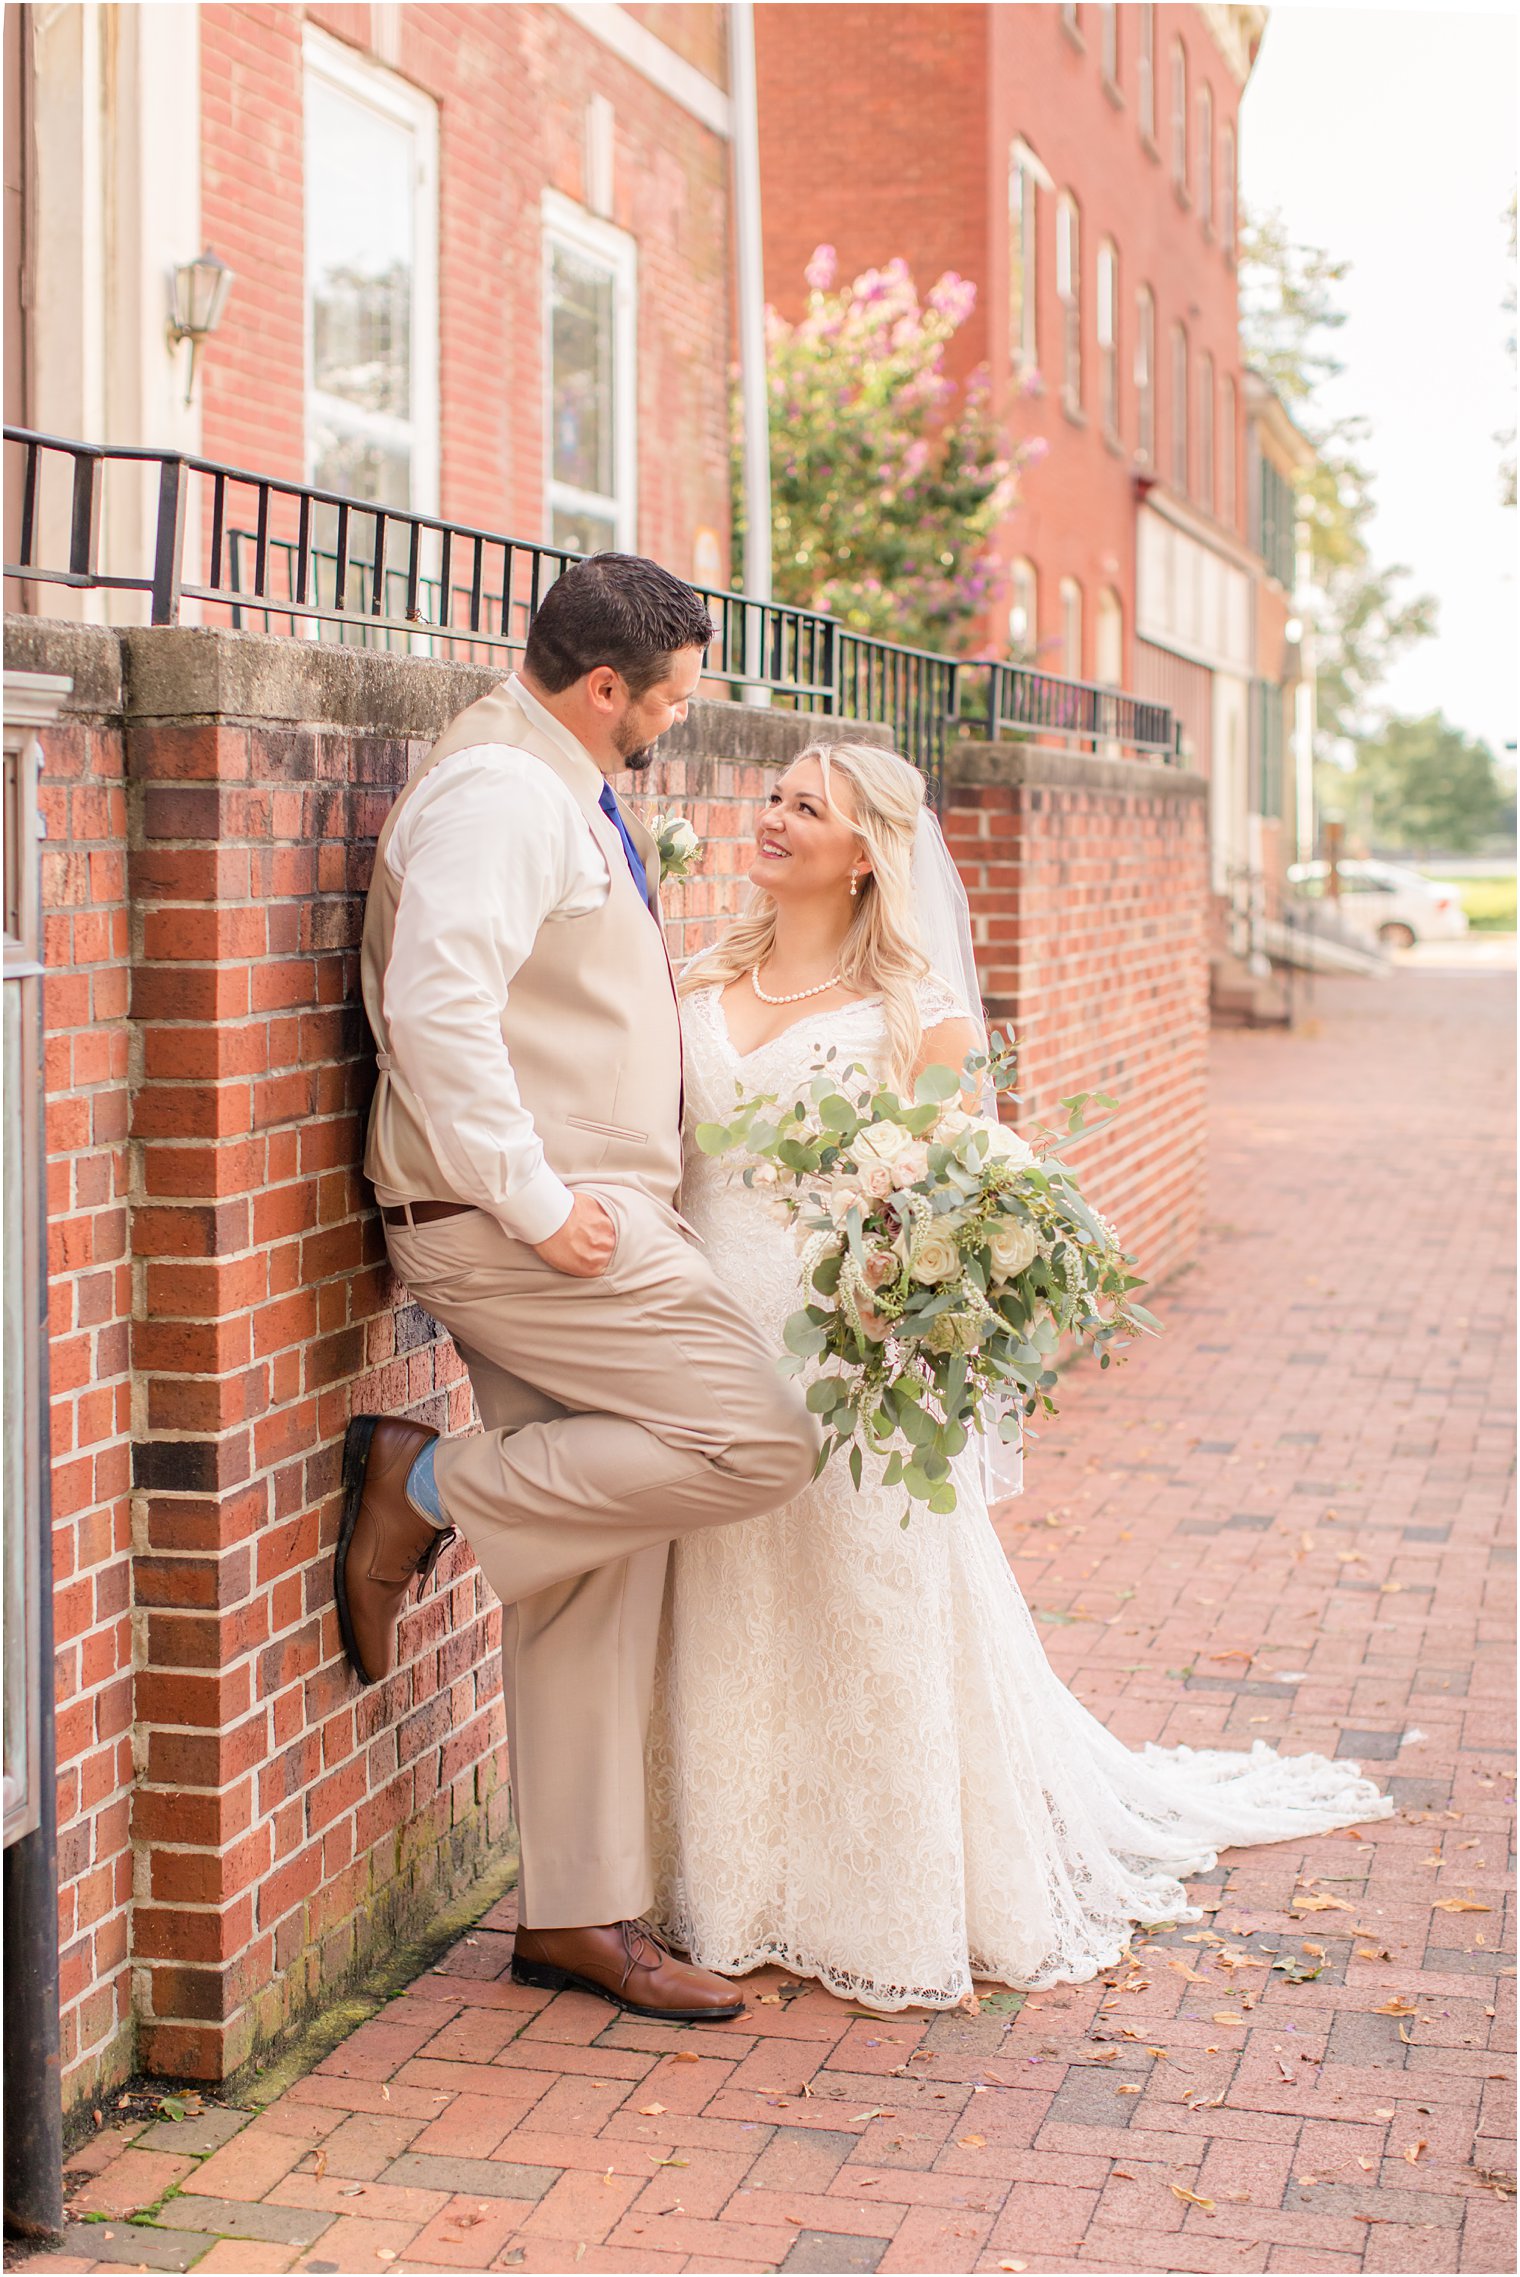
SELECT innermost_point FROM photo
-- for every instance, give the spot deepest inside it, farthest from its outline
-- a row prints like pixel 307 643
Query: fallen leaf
pixel 1406 2035
pixel 1315 1904
pixel 319 2164
pixel 1192 1975
pixel 1397 2007
pixel 1191 2197
pixel 1412 2152
pixel 650 2110
pixel 1226 2016
pixel 1234 1654
pixel 1283 2068
pixel 876 2114
pixel 1381 2113
pixel 385 2094
pixel 1126 2091
pixel 1373 1953
pixel 1459 1905
pixel 687 2056
pixel 1367 2165
pixel 1018 2267
pixel 667 2161
pixel 769 2000
pixel 354 2190
pixel 972 2142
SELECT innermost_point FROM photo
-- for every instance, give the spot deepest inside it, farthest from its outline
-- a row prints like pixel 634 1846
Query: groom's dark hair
pixel 617 609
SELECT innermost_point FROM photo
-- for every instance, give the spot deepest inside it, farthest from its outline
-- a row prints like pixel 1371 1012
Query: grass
pixel 1489 902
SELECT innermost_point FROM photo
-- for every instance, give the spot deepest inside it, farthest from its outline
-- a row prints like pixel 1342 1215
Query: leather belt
pixel 424 1213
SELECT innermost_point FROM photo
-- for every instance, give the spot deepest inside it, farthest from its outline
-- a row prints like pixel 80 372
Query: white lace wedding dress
pixel 862 1765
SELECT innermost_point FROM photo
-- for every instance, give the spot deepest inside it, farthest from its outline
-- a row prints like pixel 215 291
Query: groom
pixel 525 1150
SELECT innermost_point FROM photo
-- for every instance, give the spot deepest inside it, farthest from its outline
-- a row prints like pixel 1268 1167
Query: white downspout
pixel 749 248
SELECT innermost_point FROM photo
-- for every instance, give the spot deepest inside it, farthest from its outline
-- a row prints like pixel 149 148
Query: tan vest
pixel 590 1024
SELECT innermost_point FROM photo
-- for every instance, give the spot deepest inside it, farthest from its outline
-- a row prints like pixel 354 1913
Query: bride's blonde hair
pixel 880 955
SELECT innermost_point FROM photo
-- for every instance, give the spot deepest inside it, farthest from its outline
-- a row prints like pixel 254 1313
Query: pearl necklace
pixel 754 981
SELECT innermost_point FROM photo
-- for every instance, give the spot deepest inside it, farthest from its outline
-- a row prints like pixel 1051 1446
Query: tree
pixel 887 479
pixel 1422 783
pixel 1363 623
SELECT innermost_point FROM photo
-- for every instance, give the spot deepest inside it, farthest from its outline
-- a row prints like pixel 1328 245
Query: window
pixel 1111 45
pixel 1145 71
pixel 1023 213
pixel 1179 467
pixel 1179 117
pixel 1071 628
pixel 1206 432
pixel 1145 375
pixel 1227 191
pixel 1229 444
pixel 1023 610
pixel 1206 156
pixel 1108 334
pixel 1071 20
pixel 1069 293
pixel 371 279
pixel 590 286
pixel 1108 664
pixel 1268 786
pixel 1275 540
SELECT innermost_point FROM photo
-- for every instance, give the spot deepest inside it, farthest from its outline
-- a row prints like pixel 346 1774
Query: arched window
pixel 1205 176
pixel 1145 375
pixel 1023 206
pixel 1108 660
pixel 1071 628
pixel 1023 610
pixel 1229 445
pixel 1110 17
pixel 1145 70
pixel 1227 191
pixel 1179 465
pixel 1069 293
pixel 1108 334
pixel 1179 117
pixel 1206 432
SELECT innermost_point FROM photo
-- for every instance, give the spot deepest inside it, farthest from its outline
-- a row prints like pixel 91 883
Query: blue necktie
pixel 609 807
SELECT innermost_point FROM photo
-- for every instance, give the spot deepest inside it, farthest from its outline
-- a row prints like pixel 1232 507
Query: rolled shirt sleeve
pixel 495 849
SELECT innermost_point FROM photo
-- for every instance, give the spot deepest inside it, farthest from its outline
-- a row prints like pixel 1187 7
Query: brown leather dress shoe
pixel 626 1963
pixel 383 1543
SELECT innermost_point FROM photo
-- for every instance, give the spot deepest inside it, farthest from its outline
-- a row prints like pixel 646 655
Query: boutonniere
pixel 680 847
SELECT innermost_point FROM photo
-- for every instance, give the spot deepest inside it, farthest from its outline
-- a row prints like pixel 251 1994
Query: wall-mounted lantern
pixel 199 295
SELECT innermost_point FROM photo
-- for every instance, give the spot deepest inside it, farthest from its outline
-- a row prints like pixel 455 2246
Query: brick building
pixel 1079 165
pixel 480 255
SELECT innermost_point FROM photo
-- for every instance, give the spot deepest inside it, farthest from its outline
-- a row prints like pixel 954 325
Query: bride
pixel 862 1765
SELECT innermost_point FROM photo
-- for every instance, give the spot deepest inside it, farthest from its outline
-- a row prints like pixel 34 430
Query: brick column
pixel 1088 882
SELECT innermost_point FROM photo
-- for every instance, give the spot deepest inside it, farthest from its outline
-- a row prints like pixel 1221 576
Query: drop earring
pixel 854 884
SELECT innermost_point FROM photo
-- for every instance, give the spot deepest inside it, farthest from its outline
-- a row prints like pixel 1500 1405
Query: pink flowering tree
pixel 888 480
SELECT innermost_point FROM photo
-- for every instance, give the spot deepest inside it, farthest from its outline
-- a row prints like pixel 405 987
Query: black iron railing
pixel 256 551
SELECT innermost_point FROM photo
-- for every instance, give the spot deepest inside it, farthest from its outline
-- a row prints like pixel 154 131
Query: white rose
pixel 764 1174
pixel 878 1179
pixel 1006 1146
pixel 880 1142
pixel 935 1256
pixel 1011 1246
pixel 681 837
pixel 844 1196
pixel 950 1124
pixel 912 1164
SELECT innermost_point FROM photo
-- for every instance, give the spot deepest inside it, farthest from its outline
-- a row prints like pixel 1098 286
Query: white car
pixel 1397 905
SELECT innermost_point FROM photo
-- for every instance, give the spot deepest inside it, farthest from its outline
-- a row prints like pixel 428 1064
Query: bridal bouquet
pixel 943 1262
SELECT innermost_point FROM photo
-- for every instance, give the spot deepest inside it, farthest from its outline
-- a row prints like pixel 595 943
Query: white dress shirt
pixel 488 848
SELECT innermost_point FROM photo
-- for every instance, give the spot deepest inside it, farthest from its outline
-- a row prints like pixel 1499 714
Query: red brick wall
pixel 84 891
pixel 512 84
pixel 282 1826
pixel 1088 885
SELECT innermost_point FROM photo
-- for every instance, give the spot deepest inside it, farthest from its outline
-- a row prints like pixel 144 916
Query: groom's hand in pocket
pixel 583 1245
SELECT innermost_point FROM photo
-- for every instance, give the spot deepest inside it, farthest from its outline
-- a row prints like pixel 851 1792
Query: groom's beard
pixel 635 756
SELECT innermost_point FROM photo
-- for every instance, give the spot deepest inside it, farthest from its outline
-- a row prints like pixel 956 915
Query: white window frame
pixel 1069 294
pixel 1145 72
pixel 1179 454
pixel 1110 44
pixel 1145 374
pixel 1206 382
pixel 1229 488
pixel 567 224
pixel 1227 170
pixel 394 99
pixel 1026 178
pixel 1071 628
pixel 1108 334
pixel 1024 595
pixel 1206 156
pixel 1179 76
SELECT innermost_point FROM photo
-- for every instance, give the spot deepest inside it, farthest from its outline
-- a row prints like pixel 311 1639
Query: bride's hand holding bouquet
pixel 943 1263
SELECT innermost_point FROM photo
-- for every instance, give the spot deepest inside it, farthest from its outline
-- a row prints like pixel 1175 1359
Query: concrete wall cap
pixel 89 655
pixel 1041 766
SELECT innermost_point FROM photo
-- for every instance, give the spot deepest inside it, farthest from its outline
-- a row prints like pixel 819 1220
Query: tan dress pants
pixel 619 1412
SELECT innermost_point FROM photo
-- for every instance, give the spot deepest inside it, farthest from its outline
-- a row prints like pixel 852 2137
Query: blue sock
pixel 422 1487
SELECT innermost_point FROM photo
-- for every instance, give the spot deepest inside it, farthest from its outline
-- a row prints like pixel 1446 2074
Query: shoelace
pixel 636 1936
pixel 427 1565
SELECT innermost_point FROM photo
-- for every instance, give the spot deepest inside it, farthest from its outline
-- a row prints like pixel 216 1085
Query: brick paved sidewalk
pixel 1284 1522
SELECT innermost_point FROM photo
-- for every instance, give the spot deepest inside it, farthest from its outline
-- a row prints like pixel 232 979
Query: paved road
pixel 1288 1521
